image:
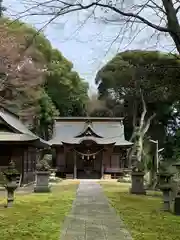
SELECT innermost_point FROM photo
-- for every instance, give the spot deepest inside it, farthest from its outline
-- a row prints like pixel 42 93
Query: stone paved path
pixel 92 218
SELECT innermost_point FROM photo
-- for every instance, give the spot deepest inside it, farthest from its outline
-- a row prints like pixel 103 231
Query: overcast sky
pixel 88 46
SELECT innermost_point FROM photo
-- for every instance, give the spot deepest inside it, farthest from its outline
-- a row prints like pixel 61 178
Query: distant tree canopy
pixel 97 108
pixel 41 83
pixel 66 89
pixel 154 74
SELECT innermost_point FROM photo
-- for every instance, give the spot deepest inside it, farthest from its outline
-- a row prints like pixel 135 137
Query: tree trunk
pixel 139 147
pixel 139 133
pixel 172 22
pixel 152 173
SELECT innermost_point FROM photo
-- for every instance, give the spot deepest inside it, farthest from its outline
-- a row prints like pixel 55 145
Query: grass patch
pixel 142 214
pixel 37 216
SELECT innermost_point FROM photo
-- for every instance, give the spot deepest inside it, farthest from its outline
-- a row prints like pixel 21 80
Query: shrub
pixel 125 179
pixel 2 179
pixel 10 172
pixel 43 165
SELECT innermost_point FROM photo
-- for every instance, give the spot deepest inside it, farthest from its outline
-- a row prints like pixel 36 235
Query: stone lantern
pixel 177 198
pixel 165 187
pixel 11 185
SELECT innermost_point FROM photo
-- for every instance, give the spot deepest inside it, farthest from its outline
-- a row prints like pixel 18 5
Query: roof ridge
pixel 89 118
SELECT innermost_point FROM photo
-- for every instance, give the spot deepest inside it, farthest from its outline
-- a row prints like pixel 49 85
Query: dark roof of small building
pixel 108 131
pixel 15 137
pixel 20 133
pixel 3 108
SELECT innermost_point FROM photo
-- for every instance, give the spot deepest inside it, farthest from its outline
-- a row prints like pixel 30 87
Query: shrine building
pixel 89 147
pixel 20 145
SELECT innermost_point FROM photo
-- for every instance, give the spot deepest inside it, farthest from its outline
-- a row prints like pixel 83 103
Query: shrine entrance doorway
pixel 89 161
pixel 88 168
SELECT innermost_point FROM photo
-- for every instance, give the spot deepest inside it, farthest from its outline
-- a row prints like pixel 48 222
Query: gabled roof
pixel 19 131
pixel 88 131
pixel 13 122
pixel 109 130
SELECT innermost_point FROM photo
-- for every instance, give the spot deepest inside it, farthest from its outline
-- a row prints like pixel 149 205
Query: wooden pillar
pixel 25 165
pixel 65 157
pixel 125 159
pixel 102 165
pixel 75 166
pixel 22 164
pixel 54 157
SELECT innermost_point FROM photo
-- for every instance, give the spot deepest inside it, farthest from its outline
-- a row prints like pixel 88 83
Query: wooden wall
pixel 111 159
pixel 8 153
pixel 30 156
pixel 114 160
pixel 24 157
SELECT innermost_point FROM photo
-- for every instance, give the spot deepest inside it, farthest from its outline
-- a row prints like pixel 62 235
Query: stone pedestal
pixel 166 189
pixel 137 186
pixel 42 182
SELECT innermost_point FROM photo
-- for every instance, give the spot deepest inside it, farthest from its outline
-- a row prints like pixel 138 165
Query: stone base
pixel 166 207
pixel 137 192
pixel 42 182
pixel 177 205
pixel 137 183
pixel 42 189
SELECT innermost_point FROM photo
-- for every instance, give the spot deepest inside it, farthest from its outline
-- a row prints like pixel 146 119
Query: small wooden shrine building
pixel 18 144
pixel 89 147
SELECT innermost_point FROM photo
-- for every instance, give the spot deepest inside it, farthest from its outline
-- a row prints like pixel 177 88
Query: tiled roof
pixel 111 131
pixel 21 132
pixel 15 137
pixel 88 128
pixel 15 123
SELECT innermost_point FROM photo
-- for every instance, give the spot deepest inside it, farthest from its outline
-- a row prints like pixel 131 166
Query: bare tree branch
pixel 177 9
pixel 158 6
pixel 165 12
pixel 77 7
